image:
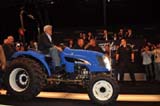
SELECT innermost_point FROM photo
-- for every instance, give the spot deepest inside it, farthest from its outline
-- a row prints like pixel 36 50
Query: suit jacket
pixel 44 44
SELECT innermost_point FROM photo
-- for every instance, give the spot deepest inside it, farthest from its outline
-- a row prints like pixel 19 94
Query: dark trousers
pixel 149 72
pixel 125 67
pixel 1 78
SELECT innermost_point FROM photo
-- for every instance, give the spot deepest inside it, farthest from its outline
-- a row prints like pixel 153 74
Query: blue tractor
pixel 31 71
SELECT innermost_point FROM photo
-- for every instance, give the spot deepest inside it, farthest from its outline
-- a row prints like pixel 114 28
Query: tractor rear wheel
pixel 24 78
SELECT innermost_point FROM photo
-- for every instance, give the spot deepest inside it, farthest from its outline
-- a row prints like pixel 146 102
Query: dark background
pixel 141 15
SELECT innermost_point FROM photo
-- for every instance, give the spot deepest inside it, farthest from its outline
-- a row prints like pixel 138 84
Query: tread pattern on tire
pixel 36 73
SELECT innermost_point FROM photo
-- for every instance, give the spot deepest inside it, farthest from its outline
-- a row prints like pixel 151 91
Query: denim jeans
pixel 149 71
pixel 55 55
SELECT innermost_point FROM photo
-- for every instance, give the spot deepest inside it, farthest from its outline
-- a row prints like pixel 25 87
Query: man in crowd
pixel 80 44
pixel 92 45
pixel 9 47
pixel 129 34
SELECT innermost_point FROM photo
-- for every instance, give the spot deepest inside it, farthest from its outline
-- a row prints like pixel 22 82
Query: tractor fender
pixel 34 55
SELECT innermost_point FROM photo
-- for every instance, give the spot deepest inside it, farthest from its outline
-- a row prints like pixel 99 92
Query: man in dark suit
pixel 47 46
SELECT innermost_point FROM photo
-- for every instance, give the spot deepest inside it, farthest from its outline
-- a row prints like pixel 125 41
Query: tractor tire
pixel 24 78
pixel 103 90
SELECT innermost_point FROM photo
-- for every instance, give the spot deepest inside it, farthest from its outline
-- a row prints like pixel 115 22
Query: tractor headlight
pixel 107 63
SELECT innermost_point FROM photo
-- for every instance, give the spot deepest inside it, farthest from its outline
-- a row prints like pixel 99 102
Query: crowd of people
pixel 122 55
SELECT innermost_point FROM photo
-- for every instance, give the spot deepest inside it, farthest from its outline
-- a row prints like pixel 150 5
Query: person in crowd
pixel 80 34
pixel 129 34
pixel 147 62
pixel 105 35
pixel 2 65
pixel 33 45
pixel 92 45
pixel 89 36
pixel 124 58
pixel 84 37
pixel 9 47
pixel 80 44
pixel 111 55
pixel 107 51
pixel 46 45
pixel 156 53
pixel 120 34
pixel 19 46
pixel 70 43
pixel 115 37
pixel 110 51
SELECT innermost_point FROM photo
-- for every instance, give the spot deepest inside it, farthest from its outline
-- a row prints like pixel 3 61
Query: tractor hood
pixel 96 60
pixel 84 53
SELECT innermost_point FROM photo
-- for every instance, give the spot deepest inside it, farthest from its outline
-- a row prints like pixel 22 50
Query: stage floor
pixel 138 94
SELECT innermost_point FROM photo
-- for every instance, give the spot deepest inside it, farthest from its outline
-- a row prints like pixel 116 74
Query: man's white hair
pixel 46 27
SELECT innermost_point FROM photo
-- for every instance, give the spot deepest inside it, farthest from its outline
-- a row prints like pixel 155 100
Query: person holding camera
pixel 147 62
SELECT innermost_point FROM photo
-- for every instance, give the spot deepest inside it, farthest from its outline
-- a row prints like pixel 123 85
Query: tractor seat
pixel 48 57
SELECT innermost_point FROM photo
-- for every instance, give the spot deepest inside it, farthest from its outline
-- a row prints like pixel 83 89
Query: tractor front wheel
pixel 103 90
